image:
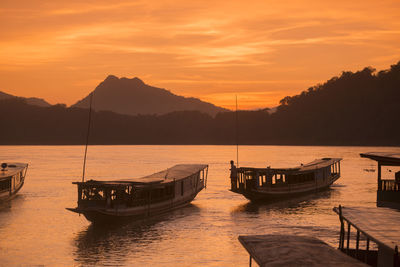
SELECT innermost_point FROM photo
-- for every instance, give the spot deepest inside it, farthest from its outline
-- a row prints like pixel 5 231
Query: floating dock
pixel 290 250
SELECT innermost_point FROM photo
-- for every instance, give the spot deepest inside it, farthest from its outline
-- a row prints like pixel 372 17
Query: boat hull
pixel 9 196
pixel 102 216
pixel 257 196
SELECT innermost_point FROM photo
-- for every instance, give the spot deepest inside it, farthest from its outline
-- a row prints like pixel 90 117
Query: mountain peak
pixel 111 78
pixel 131 96
pixel 135 80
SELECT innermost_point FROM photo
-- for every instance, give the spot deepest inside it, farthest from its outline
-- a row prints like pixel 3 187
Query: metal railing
pixel 390 185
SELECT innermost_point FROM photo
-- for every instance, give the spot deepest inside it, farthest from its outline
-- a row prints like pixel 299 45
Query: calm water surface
pixel 36 229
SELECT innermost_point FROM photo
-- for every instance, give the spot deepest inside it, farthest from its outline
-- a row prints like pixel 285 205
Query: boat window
pixel 93 193
pixel 5 185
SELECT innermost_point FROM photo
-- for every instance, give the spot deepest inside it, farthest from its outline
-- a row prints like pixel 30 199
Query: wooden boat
pixel 101 201
pixel 376 233
pixel 272 183
pixel 388 190
pixel 12 177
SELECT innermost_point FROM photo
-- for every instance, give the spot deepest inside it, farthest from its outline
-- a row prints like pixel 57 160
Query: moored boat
pixel 268 183
pixel 131 199
pixel 12 178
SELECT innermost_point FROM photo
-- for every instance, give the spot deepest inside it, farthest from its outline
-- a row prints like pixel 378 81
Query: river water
pixel 36 229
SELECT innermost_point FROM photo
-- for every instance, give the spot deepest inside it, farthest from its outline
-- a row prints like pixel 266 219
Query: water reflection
pixel 112 244
pixel 8 204
pixel 286 206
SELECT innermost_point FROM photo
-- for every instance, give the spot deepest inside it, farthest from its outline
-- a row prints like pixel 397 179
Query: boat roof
pixel 380 224
pixel 384 158
pixel 269 250
pixel 12 168
pixel 316 164
pixel 174 173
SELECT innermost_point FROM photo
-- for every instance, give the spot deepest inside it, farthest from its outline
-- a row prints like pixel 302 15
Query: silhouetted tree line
pixel 361 108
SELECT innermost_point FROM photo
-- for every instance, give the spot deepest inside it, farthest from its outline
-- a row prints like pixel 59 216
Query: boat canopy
pixel 319 163
pixel 174 173
pixel 383 158
pixel 316 164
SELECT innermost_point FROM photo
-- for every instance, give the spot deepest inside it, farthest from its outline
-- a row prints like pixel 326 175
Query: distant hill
pixel 133 96
pixel 360 108
pixel 29 100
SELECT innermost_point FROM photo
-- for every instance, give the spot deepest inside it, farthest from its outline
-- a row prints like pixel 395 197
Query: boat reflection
pixel 7 205
pixel 286 206
pixel 113 244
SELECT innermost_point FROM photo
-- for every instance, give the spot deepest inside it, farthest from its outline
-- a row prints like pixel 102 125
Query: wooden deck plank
pixel 382 225
pixel 290 250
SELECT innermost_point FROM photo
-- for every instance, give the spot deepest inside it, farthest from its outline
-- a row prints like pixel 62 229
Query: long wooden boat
pixel 12 178
pixel 259 184
pixel 102 201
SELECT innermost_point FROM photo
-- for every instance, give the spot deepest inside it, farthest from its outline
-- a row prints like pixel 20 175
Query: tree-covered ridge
pixel 357 108
pixel 350 85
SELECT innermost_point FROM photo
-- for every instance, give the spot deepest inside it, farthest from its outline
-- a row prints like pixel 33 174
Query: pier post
pixel 379 177
pixel 357 243
pixel 341 236
pixel 348 237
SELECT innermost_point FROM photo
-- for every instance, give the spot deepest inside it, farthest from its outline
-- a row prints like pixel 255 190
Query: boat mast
pixel 87 137
pixel 237 138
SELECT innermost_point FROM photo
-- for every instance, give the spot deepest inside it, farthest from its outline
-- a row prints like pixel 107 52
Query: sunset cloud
pixel 263 50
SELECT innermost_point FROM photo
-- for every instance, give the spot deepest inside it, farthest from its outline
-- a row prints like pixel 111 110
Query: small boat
pixel 259 184
pixel 12 177
pixel 104 201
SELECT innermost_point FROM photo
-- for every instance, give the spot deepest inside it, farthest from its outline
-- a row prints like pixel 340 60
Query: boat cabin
pixel 388 190
pixel 129 194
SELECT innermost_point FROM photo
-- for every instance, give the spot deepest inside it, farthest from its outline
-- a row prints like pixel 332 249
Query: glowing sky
pixel 260 50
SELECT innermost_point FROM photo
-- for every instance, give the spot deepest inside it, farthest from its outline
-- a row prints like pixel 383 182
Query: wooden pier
pixel 290 250
pixel 380 225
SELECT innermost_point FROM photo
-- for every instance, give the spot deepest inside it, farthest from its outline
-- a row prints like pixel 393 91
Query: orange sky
pixel 260 50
